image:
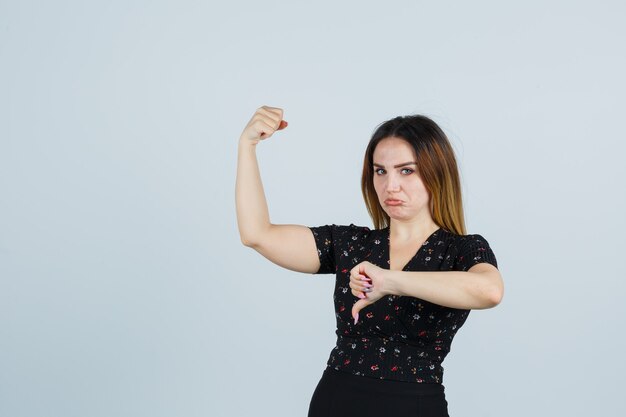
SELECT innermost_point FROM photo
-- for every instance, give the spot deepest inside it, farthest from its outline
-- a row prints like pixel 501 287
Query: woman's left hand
pixel 367 282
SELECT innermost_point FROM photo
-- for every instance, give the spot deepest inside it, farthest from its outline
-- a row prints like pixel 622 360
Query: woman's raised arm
pixel 290 246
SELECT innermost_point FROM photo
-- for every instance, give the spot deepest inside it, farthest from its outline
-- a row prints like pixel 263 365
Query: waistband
pixel 391 386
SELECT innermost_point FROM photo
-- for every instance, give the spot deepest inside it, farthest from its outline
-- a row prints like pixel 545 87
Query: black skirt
pixel 342 394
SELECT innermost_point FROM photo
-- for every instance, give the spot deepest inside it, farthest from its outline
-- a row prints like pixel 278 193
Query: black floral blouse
pixel 398 337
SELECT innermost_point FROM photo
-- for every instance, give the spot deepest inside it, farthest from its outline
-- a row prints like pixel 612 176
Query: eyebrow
pixel 396 166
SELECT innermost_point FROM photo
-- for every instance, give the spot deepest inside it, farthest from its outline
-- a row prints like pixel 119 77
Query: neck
pixel 405 231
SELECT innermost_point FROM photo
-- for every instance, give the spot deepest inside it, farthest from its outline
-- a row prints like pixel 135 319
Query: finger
pixel 356 308
pixel 283 124
pixel 357 286
pixel 275 116
pixel 274 110
pixel 357 283
pixel 263 129
pixel 358 294
pixel 269 117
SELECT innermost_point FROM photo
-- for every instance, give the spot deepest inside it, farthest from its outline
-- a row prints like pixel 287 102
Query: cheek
pixel 417 189
pixel 377 184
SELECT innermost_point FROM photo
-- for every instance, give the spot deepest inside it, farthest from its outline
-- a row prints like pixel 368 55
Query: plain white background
pixel 124 287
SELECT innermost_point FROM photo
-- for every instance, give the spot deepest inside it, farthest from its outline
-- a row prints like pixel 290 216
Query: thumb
pixel 283 124
pixel 358 306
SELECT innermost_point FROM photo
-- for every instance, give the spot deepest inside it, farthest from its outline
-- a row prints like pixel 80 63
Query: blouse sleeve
pixel 474 250
pixel 334 241
pixel 325 237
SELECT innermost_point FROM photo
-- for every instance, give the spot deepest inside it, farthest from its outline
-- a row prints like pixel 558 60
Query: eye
pixel 403 169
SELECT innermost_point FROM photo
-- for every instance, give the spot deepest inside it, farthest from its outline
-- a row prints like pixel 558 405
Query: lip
pixel 392 202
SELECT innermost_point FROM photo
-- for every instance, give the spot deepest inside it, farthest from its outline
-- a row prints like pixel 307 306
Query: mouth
pixel 391 202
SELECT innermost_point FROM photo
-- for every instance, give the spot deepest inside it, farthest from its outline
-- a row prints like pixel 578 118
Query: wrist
pixel 247 143
pixel 392 283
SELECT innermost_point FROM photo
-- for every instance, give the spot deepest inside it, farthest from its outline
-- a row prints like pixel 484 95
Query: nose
pixel 393 184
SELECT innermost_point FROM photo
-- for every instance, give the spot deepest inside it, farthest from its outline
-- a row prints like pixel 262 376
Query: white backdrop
pixel 124 287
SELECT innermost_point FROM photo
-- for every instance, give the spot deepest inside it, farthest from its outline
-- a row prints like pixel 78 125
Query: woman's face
pixel 401 183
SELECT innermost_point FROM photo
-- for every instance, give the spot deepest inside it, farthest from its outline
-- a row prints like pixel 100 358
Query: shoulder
pixel 356 231
pixel 341 232
pixel 472 239
pixel 353 231
pixel 472 249
pixel 460 241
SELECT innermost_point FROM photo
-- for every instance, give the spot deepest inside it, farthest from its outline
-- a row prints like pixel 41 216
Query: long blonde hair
pixel 437 168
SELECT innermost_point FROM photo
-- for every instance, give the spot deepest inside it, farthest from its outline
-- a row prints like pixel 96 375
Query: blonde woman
pixel 403 288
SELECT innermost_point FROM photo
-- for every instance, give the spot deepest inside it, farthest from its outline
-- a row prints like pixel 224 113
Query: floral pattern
pixel 398 337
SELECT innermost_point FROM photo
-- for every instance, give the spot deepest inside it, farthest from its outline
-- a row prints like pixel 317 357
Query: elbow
pixel 495 296
pixel 490 296
pixel 246 242
pixel 252 238
pixel 490 290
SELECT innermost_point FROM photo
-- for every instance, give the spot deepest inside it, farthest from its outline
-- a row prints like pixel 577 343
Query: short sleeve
pixel 330 241
pixel 325 242
pixel 474 250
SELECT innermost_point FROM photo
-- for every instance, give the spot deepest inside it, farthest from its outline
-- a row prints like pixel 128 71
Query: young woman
pixel 402 289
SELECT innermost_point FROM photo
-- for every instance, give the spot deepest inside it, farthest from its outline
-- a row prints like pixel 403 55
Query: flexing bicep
pixel 291 246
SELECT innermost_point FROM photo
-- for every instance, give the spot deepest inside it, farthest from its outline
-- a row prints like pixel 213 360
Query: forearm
pixel 252 212
pixel 456 289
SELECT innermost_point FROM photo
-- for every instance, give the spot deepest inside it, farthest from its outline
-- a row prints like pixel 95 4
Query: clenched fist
pixel 264 122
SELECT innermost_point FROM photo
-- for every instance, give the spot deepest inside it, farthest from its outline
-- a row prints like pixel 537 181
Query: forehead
pixel 392 149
